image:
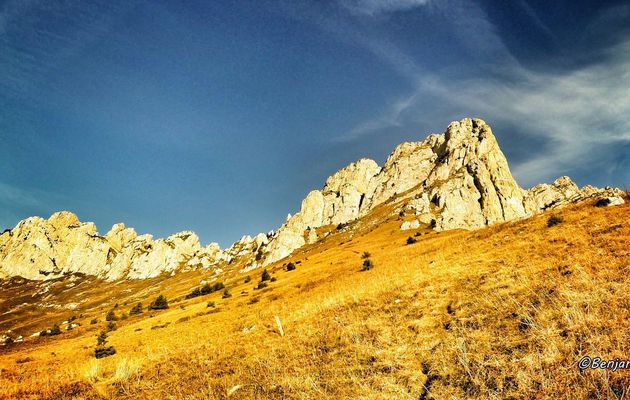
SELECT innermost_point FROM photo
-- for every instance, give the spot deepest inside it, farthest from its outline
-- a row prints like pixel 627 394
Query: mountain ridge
pixel 458 179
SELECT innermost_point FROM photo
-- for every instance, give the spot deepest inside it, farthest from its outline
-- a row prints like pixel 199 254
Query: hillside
pixel 500 312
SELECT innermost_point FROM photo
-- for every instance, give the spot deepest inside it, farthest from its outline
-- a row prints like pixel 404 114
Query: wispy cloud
pixel 375 7
pixel 578 113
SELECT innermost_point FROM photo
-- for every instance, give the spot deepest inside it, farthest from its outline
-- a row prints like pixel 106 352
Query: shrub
pixel 111 326
pixel 273 279
pixel 102 352
pixel 226 294
pixel 211 304
pixel 55 330
pixel 159 304
pixel 367 265
pixel 554 220
pixel 205 289
pixel 101 339
pixel 603 202
pixel 94 321
pixel 124 316
pixel 111 316
pixel 411 240
pixel 195 293
pixel 341 225
pixel 290 266
pixel 135 310
pixel 248 279
pixel 265 276
pixel 365 255
pixel 261 285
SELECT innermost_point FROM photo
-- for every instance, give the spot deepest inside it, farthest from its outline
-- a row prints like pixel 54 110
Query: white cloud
pixel 579 113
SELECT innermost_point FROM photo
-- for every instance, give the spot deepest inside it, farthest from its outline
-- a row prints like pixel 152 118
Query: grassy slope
pixel 501 312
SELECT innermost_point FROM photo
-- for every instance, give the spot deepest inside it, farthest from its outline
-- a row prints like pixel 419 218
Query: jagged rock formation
pixel 458 179
pixel 40 249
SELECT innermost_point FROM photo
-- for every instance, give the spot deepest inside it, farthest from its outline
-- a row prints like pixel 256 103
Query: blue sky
pixel 219 117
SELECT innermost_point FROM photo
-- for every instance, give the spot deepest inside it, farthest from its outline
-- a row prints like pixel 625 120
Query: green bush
pixel 248 279
pixel 211 304
pixel 554 220
pixel 102 352
pixel 195 293
pixel 365 255
pixel 111 316
pixel 135 310
pixel 291 266
pixel 603 202
pixel 265 276
pixel 111 326
pixel 101 339
pixel 273 279
pixel 367 265
pixel 261 285
pixel 411 240
pixel 205 289
pixel 159 304
pixel 55 330
pixel 94 321
pixel 226 294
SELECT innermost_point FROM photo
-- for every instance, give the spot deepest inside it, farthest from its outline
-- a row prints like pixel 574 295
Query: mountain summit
pixel 458 179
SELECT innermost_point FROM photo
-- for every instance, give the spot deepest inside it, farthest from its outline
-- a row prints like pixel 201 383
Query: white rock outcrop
pixel 41 249
pixel 458 179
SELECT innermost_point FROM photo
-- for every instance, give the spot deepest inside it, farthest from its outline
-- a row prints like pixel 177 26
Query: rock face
pixel 458 179
pixel 41 249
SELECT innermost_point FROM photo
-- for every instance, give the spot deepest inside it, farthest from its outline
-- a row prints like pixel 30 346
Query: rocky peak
pixel 42 249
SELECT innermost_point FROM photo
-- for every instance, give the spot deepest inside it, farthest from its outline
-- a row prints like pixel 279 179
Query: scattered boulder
pixel 407 225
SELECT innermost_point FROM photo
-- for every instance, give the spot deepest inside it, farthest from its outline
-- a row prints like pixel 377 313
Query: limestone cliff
pixel 458 179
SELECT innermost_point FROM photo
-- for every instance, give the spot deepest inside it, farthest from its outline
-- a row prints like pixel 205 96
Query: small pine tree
pixel 365 255
pixel 101 339
pixel 111 316
pixel 135 310
pixel 159 304
pixel 265 276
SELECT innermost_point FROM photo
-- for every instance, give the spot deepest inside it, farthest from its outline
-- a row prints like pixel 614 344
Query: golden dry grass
pixel 502 312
